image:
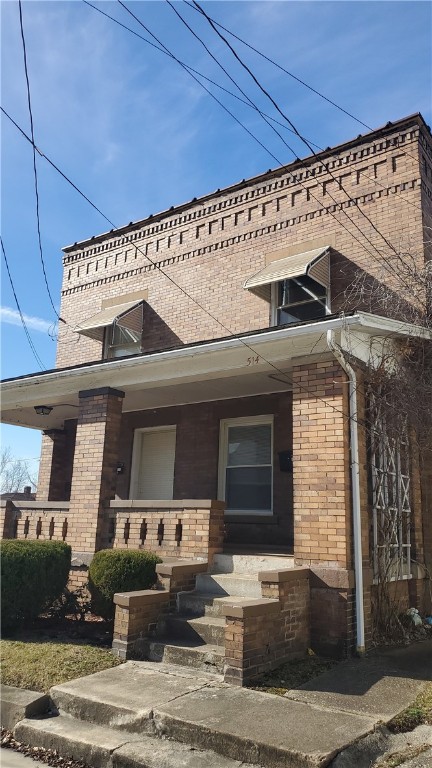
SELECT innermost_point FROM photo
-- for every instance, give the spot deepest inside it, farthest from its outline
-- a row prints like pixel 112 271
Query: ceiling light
pixel 43 410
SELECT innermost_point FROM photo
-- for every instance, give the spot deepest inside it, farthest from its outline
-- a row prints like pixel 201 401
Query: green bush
pixel 119 570
pixel 33 575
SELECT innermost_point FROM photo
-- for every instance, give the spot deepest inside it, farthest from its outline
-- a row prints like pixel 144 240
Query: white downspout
pixel 355 482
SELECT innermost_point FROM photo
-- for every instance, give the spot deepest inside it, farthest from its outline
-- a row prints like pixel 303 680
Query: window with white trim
pixel 246 465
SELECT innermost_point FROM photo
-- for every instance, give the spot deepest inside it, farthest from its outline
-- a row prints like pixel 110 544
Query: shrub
pixel 33 575
pixel 119 570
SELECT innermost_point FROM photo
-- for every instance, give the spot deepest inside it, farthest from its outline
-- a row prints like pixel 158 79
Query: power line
pixel 247 103
pixel 279 66
pixel 286 71
pixel 56 168
pixel 305 141
pixel 278 161
pixel 191 69
pixel 185 293
pixel 34 159
pixel 23 322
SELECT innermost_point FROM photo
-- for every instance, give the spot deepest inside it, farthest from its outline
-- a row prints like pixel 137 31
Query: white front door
pixel 153 463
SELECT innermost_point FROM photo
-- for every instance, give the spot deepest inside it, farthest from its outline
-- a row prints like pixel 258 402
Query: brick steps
pixel 205 604
pixel 206 629
pixel 232 584
pixel 204 656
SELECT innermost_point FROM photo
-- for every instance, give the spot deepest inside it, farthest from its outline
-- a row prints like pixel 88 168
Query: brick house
pixel 207 404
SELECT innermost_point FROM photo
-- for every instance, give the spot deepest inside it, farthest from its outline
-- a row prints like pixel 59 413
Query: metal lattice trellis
pixel 391 497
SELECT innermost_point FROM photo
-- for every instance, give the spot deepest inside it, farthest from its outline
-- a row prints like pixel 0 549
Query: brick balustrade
pixel 175 529
pixel 179 528
pixel 43 520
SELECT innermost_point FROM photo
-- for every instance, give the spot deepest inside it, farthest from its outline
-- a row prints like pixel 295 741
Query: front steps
pixel 111 725
pixel 194 635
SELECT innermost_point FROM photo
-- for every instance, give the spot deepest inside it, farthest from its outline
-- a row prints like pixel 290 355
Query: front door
pixel 153 463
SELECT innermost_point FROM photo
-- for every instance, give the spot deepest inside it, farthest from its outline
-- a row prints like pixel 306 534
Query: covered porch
pixel 211 421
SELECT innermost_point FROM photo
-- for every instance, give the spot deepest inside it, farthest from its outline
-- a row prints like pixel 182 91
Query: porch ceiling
pixel 203 372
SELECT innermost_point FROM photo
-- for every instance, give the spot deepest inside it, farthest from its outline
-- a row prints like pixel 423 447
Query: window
pixel 120 341
pixel 246 465
pixel 297 299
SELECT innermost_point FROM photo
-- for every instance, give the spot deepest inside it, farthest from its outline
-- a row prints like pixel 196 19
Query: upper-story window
pixel 118 325
pixel 121 341
pixel 301 298
pixel 296 284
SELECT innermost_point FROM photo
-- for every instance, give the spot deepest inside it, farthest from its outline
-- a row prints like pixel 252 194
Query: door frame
pixel 136 453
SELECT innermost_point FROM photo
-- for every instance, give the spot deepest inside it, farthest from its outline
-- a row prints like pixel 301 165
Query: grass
pixel 418 713
pixel 292 674
pixel 38 663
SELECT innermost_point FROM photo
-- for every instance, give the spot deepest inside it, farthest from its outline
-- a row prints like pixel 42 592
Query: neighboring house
pixel 25 495
pixel 209 353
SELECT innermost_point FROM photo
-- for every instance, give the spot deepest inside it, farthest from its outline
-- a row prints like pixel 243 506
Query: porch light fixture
pixel 43 410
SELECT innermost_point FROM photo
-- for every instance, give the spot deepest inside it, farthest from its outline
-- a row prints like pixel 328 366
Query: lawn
pixel 418 713
pixel 37 663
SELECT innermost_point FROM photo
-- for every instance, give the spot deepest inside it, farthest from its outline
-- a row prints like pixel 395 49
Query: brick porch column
pixel 94 469
pixel 322 501
pixel 51 481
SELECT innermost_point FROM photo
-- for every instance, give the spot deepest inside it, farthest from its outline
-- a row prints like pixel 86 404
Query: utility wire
pixel 191 69
pixel 23 322
pixel 34 160
pixel 236 336
pixel 278 161
pixel 279 66
pixel 336 202
pixel 305 141
pixel 56 168
pixel 287 72
pixel 248 103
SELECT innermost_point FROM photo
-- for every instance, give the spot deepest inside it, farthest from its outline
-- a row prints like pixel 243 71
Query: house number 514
pixel 253 360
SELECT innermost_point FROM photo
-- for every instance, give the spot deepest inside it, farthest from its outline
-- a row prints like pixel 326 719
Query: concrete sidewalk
pixel 139 707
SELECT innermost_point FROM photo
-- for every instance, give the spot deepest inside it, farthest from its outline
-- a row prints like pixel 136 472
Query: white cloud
pixel 12 317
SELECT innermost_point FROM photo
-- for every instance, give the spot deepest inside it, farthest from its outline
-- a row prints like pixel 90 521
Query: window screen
pixel 249 468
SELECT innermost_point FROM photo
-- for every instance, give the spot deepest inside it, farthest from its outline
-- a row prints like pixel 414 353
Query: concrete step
pixel 252 564
pixel 202 604
pixel 122 698
pixel 245 585
pixel 206 629
pixel 103 747
pixel 206 657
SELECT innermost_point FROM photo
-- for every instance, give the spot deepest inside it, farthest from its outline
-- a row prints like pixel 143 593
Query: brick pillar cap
pixel 100 391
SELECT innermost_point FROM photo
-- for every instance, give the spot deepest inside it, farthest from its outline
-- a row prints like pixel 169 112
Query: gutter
pixel 355 485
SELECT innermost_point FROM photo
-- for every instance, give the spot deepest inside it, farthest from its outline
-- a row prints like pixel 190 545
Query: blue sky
pixel 137 134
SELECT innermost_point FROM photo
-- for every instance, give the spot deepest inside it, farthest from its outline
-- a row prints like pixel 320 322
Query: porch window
pixel 246 465
pixel 391 492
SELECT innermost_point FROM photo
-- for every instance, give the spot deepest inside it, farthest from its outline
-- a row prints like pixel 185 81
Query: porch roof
pixel 253 363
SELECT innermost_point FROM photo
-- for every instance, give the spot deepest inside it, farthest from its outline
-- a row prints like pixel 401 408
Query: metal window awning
pixel 128 315
pixel 315 263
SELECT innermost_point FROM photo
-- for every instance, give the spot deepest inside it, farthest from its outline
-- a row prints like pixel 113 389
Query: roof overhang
pixel 250 364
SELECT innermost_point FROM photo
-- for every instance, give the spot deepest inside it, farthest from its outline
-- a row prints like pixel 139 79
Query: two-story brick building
pixel 210 365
